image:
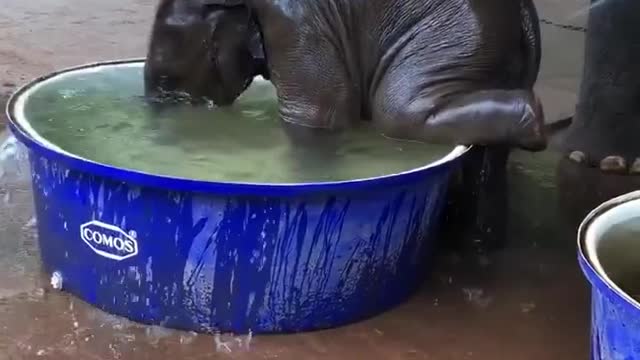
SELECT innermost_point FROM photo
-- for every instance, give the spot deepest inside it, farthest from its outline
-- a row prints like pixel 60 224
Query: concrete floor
pixel 527 301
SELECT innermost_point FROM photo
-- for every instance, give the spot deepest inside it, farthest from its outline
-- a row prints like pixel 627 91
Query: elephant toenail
pixel 578 157
pixel 635 167
pixel 613 164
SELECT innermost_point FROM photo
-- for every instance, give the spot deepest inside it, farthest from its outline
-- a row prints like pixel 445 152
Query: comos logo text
pixel 108 240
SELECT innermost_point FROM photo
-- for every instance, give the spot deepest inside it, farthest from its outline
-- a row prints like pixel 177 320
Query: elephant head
pixel 203 50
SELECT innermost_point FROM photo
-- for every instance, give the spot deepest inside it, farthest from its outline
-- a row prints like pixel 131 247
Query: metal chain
pixel 564 26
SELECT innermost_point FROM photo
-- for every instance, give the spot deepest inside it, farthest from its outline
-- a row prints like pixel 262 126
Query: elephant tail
pixel 558 125
pixel 531 40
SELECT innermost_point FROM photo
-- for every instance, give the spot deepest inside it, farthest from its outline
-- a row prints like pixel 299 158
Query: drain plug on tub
pixel 56 280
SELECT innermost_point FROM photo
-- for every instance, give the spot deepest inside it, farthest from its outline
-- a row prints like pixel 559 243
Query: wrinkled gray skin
pixel 604 132
pixel 452 71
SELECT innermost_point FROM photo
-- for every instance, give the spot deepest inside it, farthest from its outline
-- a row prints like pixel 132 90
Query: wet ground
pixel 528 301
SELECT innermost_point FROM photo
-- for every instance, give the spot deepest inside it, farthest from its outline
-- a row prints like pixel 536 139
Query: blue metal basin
pixel 609 260
pixel 240 257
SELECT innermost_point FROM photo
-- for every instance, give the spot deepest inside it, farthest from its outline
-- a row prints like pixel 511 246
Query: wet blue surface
pixel 210 262
pixel 615 321
pixel 605 255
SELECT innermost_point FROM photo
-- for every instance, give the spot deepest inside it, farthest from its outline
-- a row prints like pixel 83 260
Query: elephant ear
pixel 255 41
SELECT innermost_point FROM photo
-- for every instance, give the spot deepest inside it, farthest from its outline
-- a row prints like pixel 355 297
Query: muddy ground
pixel 527 302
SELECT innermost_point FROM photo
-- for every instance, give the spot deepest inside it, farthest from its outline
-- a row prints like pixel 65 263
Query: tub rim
pixel 599 218
pixel 15 114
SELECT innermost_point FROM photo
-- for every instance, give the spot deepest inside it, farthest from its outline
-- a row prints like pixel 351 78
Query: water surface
pixel 619 255
pixel 102 115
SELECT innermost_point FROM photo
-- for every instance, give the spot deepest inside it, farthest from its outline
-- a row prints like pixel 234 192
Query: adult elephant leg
pixel 603 132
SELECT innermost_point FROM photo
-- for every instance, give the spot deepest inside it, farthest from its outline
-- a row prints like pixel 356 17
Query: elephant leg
pixel 487 117
pixel 489 182
pixel 476 214
pixel 604 131
pixel 314 88
pixel 308 70
pixel 315 94
pixel 496 120
pixel 315 105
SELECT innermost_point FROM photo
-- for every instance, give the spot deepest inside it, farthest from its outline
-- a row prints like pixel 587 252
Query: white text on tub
pixel 108 240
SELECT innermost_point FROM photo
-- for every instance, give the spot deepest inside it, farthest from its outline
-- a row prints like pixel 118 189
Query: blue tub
pixel 608 260
pixel 239 257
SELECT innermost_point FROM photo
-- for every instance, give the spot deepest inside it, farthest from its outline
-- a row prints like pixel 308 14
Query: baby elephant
pixel 447 71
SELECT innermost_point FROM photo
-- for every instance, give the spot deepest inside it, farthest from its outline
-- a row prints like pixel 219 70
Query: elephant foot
pixel 615 164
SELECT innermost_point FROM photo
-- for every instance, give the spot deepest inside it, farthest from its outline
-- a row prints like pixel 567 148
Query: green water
pixel 619 255
pixel 101 115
